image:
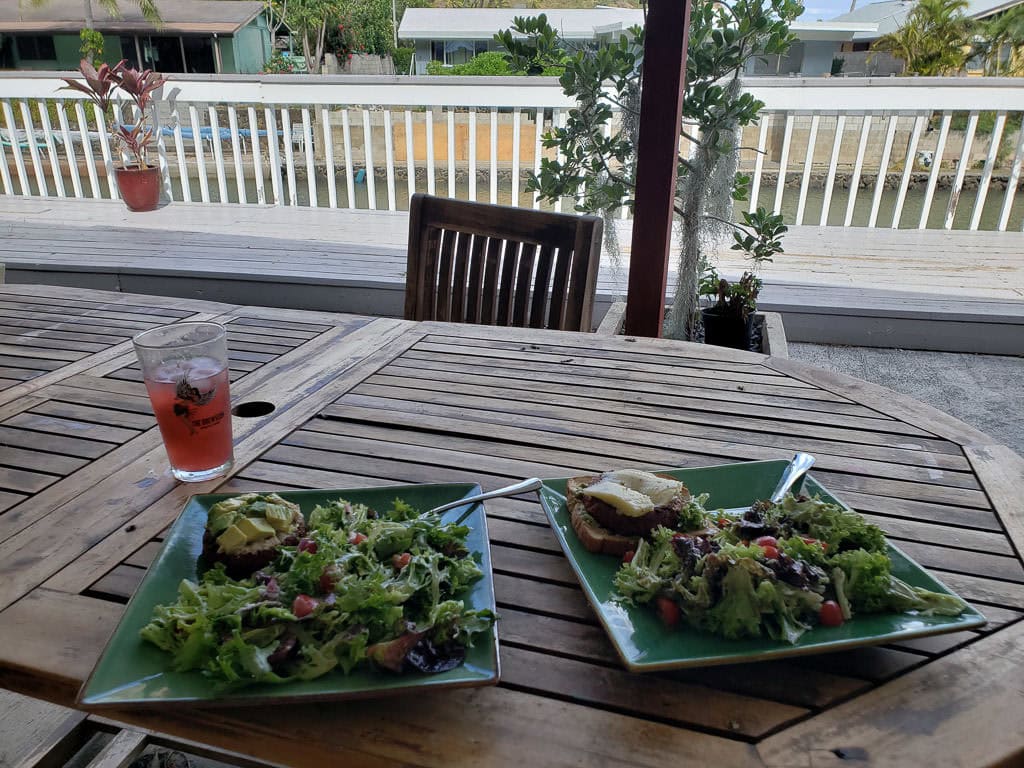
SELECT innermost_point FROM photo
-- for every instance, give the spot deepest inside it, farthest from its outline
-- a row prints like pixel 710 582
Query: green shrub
pixel 488 64
pixel 402 57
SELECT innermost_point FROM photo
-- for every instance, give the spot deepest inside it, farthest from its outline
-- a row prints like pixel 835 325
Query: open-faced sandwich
pixel 385 588
pixel 245 532
pixel 610 512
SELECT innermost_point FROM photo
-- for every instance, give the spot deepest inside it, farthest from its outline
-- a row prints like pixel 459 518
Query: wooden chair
pixel 498 265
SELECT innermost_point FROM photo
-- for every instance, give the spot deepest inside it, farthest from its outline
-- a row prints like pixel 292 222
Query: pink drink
pixel 192 406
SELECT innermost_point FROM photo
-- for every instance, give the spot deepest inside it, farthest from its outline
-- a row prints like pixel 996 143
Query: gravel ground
pixel 986 391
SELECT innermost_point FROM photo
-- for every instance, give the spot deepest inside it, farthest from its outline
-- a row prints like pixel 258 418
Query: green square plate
pixel 133 672
pixel 645 645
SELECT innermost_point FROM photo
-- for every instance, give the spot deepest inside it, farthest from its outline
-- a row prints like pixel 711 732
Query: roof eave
pixel 61 27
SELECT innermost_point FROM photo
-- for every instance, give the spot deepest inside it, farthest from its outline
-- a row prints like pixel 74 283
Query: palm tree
pixel 935 38
pixel 999 36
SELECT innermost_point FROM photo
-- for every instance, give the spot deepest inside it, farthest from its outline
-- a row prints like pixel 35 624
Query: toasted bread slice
pixel 596 537
pixel 245 561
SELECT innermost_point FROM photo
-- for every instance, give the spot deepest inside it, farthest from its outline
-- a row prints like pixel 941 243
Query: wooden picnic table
pixel 86 495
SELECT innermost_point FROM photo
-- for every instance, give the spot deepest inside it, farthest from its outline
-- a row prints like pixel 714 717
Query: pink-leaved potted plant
pixel 139 182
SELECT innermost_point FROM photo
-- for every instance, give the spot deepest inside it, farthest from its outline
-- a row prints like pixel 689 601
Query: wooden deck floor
pixel 863 286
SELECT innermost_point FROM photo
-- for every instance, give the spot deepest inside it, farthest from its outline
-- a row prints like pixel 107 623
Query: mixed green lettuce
pixel 363 586
pixel 778 570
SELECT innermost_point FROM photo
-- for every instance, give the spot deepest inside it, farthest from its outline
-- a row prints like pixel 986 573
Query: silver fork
pixel 525 486
pixel 792 475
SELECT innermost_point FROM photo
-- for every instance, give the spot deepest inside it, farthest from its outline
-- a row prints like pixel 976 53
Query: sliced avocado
pixel 227 505
pixel 278 516
pixel 255 529
pixel 220 522
pixel 232 539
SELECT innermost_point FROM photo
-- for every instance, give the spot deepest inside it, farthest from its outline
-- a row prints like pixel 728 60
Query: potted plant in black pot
pixel 139 182
pixel 728 320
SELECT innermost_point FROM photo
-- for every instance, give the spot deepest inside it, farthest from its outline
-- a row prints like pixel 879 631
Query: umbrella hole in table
pixel 253 410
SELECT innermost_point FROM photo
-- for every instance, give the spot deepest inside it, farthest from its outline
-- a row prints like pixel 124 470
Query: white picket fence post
pixel 965 134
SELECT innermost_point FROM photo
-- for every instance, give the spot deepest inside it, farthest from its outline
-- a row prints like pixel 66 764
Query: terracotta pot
pixel 140 188
pixel 727 329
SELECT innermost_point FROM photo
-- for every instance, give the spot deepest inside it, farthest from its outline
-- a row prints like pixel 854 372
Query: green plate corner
pixel 645 645
pixel 131 672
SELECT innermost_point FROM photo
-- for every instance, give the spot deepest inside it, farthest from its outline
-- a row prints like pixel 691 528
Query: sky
pixel 827 9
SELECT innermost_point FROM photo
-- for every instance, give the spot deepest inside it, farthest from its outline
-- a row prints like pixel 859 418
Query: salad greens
pixel 776 570
pixel 362 587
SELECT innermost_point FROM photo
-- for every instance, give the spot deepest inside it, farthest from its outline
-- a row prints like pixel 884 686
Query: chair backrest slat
pixel 524 276
pixel 443 304
pixel 506 282
pixel 489 292
pixel 480 263
pixel 538 307
pixel 559 287
pixel 582 282
pixel 460 271
pixel 476 280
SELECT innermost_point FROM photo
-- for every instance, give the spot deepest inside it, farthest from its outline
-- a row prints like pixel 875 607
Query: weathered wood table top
pixel 86 494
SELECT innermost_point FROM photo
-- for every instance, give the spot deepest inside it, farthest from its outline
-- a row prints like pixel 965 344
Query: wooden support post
pixel 218 62
pixel 661 106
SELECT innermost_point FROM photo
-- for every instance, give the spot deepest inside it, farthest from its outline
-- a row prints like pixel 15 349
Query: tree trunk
pixel 321 37
pixel 89 22
pixel 307 51
pixel 276 22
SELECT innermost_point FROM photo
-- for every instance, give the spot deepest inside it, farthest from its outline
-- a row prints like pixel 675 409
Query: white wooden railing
pixel 348 141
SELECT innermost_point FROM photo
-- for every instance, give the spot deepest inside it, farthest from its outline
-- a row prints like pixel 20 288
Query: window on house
pixel 199 56
pixel 162 53
pixel 453 52
pixel 128 51
pixel 458 52
pixel 36 48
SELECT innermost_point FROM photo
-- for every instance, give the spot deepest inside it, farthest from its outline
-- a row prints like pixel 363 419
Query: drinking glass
pixel 185 367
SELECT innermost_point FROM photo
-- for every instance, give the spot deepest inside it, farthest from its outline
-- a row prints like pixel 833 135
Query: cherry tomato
pixel 668 611
pixel 766 541
pixel 329 578
pixel 356 538
pixel 724 522
pixel 628 556
pixel 304 605
pixel 770 552
pixel 812 542
pixel 307 545
pixel 830 614
pixel 402 560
